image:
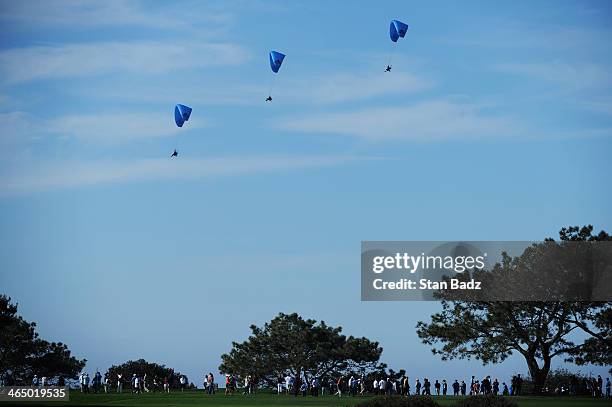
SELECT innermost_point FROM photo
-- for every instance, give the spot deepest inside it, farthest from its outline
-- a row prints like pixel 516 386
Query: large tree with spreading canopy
pixel 289 344
pixel 23 353
pixel 491 331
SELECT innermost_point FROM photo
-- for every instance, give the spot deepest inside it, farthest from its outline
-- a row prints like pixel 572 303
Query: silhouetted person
pixel 519 384
pixel 456 388
pixel 269 99
pixel 426 387
pixel 174 154
pixel 388 69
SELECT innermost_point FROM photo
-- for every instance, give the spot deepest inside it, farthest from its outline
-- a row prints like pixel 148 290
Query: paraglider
pixel 181 115
pixel 397 30
pixel 276 60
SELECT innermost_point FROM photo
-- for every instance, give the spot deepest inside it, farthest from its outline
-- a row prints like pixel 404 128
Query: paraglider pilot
pixel 269 99
pixel 174 154
pixel 388 68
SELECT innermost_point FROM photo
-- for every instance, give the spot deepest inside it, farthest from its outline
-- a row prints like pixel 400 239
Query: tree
pixel 141 367
pixel 288 344
pixel 491 331
pixel 23 353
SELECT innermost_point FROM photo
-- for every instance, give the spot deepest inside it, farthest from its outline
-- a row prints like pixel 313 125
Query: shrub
pixel 389 401
pixel 486 401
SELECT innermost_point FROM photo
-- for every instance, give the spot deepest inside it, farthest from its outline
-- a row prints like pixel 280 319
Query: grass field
pixel 199 398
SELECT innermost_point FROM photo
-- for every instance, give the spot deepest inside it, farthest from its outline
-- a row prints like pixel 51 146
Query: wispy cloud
pixel 569 76
pixel 103 128
pixel 15 126
pixel 309 89
pixel 337 88
pixel 65 175
pixel 503 33
pixel 91 13
pixel 602 106
pixel 90 59
pixel 432 120
pixel 116 128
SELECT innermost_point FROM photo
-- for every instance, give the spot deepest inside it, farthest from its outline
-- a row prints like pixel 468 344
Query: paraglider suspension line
pixel 271 85
pixel 392 48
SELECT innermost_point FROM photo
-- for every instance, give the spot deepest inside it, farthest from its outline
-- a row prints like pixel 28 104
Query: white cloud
pixel 337 88
pixel 89 13
pixel 434 120
pixel 317 90
pixel 567 76
pixel 65 175
pixel 108 128
pixel 16 126
pixel 104 128
pixel 603 106
pixel 207 92
pixel 89 59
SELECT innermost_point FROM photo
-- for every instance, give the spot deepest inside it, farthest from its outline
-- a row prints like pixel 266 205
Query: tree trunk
pixel 538 374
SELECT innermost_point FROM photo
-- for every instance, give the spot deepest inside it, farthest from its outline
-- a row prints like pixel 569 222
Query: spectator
pixel 599 386
pixel 315 387
pixel 135 384
pixel 210 379
pixel 455 388
pixel 406 386
pixel 339 387
pixel 382 386
pixel 304 388
pixel 426 387
pixel 519 384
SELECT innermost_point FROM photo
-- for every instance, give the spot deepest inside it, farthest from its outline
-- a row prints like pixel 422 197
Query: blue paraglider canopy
pixel 276 60
pixel 181 114
pixel 397 29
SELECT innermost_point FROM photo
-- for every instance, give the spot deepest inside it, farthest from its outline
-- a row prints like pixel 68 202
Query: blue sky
pixel 495 124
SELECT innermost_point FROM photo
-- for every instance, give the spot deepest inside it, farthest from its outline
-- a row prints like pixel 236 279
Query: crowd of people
pixel 352 385
pixel 389 385
pixel 138 383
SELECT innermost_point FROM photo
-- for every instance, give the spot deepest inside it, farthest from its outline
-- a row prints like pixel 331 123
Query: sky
pixel 495 123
